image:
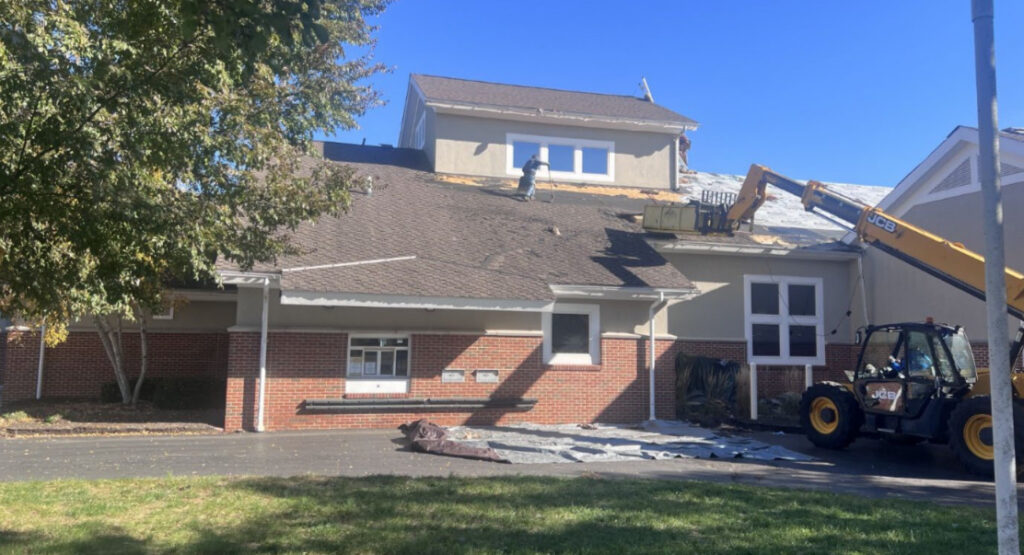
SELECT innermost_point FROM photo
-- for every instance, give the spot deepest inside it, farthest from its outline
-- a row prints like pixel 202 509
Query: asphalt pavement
pixel 869 467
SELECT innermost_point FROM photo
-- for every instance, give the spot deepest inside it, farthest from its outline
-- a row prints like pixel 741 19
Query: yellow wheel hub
pixel 824 415
pixel 978 436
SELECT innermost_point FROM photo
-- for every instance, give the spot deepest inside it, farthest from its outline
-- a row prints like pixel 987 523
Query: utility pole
pixel 982 15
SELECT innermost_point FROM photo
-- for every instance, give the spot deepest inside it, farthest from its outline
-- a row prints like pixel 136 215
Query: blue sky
pixel 856 92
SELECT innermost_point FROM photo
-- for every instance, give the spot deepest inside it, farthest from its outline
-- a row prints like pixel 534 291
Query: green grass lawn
pixel 474 515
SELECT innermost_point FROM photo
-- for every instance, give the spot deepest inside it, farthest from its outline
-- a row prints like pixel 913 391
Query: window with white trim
pixel 378 357
pixel 569 159
pixel 784 320
pixel 572 334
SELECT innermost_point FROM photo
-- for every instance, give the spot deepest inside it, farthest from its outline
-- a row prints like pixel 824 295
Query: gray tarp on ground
pixel 659 439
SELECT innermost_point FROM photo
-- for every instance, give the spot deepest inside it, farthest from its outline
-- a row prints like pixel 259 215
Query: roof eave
pixel 622 293
pixel 508 112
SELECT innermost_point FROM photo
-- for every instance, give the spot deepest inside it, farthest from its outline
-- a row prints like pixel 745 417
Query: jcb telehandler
pixel 913 381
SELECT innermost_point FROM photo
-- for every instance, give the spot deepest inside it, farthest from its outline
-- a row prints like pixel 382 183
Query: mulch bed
pixel 64 418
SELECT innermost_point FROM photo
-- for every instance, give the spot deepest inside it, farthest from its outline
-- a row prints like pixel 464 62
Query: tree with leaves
pixel 143 140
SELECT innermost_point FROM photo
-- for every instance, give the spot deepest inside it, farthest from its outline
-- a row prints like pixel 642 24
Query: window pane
pixel 396 342
pixel 370 363
pixel 521 152
pixel 764 298
pixel 402 363
pixel 355 362
pixel 803 341
pixel 801 300
pixel 881 345
pixel 570 333
pixel 766 340
pixel 365 342
pixel 387 363
pixel 561 158
pixel 595 160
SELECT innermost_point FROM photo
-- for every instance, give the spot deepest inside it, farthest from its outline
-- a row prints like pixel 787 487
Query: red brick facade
pixel 304 366
pixel 79 367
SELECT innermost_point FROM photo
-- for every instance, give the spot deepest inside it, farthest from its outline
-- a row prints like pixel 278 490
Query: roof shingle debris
pixel 469 241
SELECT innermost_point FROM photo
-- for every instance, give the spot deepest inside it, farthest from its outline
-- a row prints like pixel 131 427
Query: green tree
pixel 141 141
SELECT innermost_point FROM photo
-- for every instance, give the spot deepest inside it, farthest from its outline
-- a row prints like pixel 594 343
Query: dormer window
pixel 570 159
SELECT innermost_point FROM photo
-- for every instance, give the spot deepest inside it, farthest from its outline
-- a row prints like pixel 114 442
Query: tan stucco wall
pixel 189 316
pixel 900 292
pixel 718 313
pixel 616 317
pixel 476 146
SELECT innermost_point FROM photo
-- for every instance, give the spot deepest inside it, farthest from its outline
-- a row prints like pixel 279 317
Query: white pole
pixel 42 355
pixel 753 392
pixel 982 15
pixel 808 376
pixel 263 356
pixel 655 307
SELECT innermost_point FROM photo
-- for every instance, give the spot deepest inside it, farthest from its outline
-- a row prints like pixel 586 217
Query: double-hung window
pixel 784 320
pixel 570 159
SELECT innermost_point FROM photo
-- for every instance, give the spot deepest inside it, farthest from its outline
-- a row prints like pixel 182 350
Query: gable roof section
pixel 947 171
pixel 544 101
pixel 469 241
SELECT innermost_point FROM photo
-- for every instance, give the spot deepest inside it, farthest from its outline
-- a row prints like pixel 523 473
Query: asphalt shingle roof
pixel 463 91
pixel 469 241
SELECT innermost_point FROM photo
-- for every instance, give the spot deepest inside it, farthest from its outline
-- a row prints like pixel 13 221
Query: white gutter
pixel 42 354
pixel 863 289
pixel 263 356
pixel 656 306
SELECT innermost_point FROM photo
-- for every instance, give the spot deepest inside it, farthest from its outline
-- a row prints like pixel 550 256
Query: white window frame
pixel 593 311
pixel 377 383
pixel 419 133
pixel 784 320
pixel 578 145
pixel 166 315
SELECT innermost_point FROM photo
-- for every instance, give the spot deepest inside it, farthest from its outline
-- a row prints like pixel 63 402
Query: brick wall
pixel 304 366
pixel 78 367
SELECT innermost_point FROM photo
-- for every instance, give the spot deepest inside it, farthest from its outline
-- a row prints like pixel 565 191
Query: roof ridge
pixel 530 87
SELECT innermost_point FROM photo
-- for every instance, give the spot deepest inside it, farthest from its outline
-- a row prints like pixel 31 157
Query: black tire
pixel 830 416
pixel 970 441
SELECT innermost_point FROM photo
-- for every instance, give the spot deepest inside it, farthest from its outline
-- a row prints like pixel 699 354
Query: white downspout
pixel 863 292
pixel 263 356
pixel 42 354
pixel 656 306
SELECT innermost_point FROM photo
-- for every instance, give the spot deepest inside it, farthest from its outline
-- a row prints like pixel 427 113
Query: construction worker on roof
pixel 528 182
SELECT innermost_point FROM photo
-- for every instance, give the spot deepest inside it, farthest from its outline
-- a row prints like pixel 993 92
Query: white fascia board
pixel 612 293
pixel 249 279
pixel 312 298
pixel 559 118
pixel 725 249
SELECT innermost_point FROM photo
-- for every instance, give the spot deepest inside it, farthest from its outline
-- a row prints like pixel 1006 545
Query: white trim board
pixel 311 298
